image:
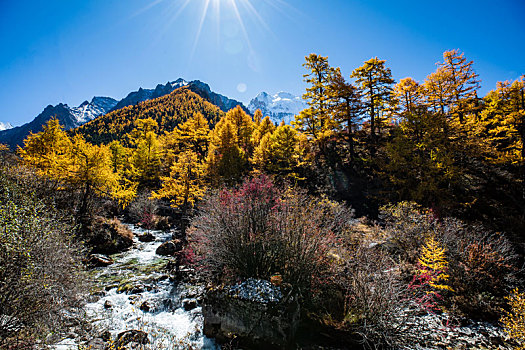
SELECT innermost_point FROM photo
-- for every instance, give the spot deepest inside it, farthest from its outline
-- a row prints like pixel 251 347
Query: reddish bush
pixel 259 230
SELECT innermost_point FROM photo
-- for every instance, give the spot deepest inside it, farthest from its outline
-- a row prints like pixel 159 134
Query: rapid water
pixel 138 295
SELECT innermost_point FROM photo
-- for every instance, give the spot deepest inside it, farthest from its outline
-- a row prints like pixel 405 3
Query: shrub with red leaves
pixel 259 230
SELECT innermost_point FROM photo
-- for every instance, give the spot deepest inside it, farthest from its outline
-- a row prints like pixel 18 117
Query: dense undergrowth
pixel 41 278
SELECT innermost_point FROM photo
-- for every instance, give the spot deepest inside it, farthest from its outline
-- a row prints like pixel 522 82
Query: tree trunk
pixel 83 210
pixel 372 120
pixel 350 139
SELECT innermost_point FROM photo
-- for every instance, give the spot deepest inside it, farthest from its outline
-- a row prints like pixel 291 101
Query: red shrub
pixel 259 230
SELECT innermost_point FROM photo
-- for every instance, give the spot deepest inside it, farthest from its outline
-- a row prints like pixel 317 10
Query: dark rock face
pixel 169 248
pixel 72 117
pixel 99 260
pixel 69 117
pixel 145 306
pixel 263 322
pixel 221 101
pixel 15 136
pixel 163 223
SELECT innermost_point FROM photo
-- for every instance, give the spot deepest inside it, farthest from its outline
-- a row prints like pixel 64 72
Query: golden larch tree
pixel 186 183
pixel 433 261
pixel 514 319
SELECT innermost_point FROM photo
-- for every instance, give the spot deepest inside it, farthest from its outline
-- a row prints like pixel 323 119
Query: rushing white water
pixel 140 296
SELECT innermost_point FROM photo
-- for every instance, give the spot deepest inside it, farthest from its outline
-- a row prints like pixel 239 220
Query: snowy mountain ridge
pixel 5 126
pixel 282 106
pixel 88 111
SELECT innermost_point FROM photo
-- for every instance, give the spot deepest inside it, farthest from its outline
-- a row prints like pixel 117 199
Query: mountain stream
pixel 135 293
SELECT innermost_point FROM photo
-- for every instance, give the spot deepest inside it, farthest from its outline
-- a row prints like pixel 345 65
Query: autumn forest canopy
pixel 430 171
pixel 366 139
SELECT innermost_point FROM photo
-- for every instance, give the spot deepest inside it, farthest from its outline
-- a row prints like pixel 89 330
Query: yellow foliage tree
pixel 346 109
pixel 145 159
pixel 76 164
pixel 375 82
pixel 257 117
pixel 316 121
pixel 514 320
pixel 90 169
pixel 265 126
pixel 503 119
pixel 462 83
pixel 433 262
pixel 119 156
pixel 191 135
pixel 48 151
pixel 243 126
pixel 186 184
pixel 226 161
pixel 278 152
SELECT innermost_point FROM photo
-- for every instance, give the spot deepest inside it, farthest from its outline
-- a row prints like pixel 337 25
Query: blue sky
pixel 68 51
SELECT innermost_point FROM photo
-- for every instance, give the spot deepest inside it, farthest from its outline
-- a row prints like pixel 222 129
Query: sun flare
pixel 216 18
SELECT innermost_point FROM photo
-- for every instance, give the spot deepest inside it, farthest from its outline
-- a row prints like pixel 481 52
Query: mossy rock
pixel 114 279
pixel 130 263
pixel 128 286
pixel 158 265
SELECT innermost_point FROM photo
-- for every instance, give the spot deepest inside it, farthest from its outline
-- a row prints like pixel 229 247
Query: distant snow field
pixel 282 106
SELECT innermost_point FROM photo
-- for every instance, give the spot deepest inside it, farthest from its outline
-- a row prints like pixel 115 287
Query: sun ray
pixel 280 6
pixel 252 11
pixel 217 10
pixel 145 8
pixel 171 13
pixel 241 23
pixel 176 15
pixel 244 12
pixel 201 23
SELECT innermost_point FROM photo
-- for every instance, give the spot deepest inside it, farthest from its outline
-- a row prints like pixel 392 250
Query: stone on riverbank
pixel 254 312
pixel 169 248
pixel 99 260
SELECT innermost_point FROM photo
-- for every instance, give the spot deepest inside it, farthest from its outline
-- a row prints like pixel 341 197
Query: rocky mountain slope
pixel 73 117
pixel 197 86
pixel 70 117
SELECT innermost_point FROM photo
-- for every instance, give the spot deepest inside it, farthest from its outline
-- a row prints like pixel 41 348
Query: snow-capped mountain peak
pixel 5 126
pixel 286 96
pixel 282 106
pixel 178 83
pixel 88 111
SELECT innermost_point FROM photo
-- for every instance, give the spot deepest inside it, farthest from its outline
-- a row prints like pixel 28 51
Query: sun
pixel 214 8
pixel 215 13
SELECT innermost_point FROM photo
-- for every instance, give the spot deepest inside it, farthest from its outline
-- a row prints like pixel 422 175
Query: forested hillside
pixel 168 111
